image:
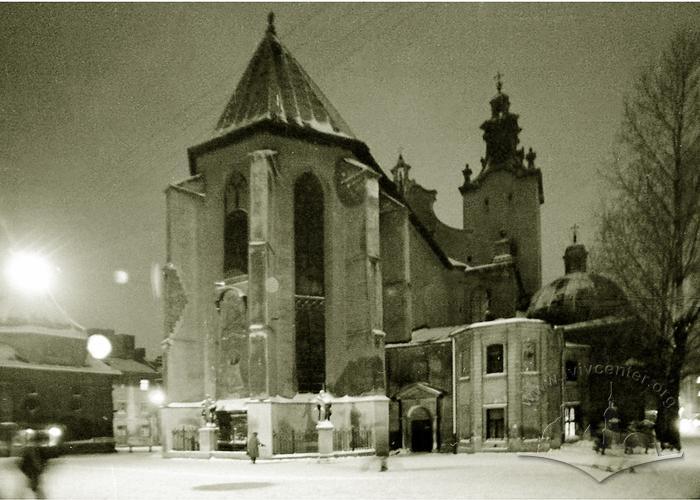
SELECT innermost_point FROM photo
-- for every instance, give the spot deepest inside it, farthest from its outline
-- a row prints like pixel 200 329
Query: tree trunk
pixel 667 421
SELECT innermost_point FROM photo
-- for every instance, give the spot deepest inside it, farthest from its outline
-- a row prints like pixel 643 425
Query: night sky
pixel 98 103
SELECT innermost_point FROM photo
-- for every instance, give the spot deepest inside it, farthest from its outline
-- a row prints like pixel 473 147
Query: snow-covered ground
pixel 483 475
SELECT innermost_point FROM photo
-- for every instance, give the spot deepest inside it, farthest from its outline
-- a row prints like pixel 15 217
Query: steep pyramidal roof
pixel 275 87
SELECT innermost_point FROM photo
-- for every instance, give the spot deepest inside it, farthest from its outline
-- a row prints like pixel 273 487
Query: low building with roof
pixel 47 375
pixel 136 393
pixel 492 385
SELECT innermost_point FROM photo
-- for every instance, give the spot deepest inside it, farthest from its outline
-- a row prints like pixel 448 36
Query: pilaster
pixel 259 261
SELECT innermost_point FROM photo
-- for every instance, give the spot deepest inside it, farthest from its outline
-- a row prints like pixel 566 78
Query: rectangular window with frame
pixel 495 423
pixel 571 368
pixel 494 358
pixel 530 356
pixel 465 358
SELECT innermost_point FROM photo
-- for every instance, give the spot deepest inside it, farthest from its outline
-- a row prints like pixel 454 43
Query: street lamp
pixel 156 396
pixel 99 346
pixel 27 272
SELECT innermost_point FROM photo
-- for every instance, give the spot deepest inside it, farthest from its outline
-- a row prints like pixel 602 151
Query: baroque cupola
pixel 579 295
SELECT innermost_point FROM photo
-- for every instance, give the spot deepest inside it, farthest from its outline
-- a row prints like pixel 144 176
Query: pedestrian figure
pixel 382 451
pixel 32 463
pixel 252 448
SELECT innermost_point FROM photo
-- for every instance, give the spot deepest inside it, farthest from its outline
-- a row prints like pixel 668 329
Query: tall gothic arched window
pixel 236 243
pixel 309 284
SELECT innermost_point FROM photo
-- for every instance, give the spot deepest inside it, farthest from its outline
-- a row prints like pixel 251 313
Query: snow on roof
pixel 43 330
pixel 93 366
pixel 487 267
pixel 41 314
pixel 495 322
pixel 275 87
pixel 232 404
pixel 130 366
pixel 457 263
pixel 573 345
pixel 431 334
pixel 427 335
pixel 192 185
pixel 594 323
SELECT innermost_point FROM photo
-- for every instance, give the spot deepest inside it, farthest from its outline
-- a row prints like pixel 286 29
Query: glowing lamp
pixel 99 346
pixel 156 396
pixel 27 272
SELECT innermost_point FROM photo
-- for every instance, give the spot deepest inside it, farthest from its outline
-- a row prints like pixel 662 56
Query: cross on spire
pixel 271 23
pixel 574 232
pixel 499 81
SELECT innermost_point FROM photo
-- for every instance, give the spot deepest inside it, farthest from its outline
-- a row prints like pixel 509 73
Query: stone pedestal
pixel 207 438
pixel 325 439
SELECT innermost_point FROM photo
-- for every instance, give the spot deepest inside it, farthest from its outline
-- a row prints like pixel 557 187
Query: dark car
pixel 14 437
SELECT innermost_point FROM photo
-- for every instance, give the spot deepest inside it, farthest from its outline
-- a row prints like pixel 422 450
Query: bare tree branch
pixel 648 236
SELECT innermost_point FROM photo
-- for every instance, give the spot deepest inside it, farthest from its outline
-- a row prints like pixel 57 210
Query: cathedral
pixel 301 276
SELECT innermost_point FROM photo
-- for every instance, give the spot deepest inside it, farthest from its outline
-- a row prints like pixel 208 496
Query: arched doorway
pixel 421 429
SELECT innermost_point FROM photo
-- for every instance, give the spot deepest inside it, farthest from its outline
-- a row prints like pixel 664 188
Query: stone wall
pixel 185 320
pixel 505 202
pixel 434 300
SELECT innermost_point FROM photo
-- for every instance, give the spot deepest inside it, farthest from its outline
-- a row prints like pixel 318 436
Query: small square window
pixel 144 384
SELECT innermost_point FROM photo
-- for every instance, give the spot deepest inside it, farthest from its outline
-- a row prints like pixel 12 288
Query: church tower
pixel 503 201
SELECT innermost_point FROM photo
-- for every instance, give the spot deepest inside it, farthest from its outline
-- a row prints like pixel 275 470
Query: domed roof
pixel 578 295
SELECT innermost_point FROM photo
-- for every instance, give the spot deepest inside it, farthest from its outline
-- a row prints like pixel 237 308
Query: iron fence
pixel 291 441
pixel 353 439
pixel 186 438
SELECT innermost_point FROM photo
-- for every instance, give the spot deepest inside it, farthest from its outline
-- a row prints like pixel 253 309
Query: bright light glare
pixel 99 346
pixel 55 432
pixel 685 425
pixel 28 272
pixel 121 277
pixel 156 396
